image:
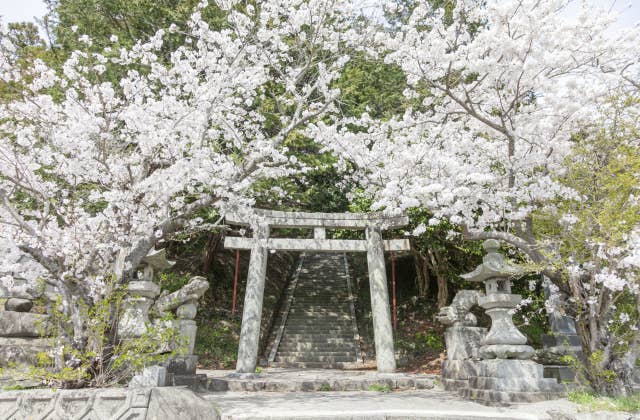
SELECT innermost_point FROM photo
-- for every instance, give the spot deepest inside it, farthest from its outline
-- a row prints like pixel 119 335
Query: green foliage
pixel 421 342
pixel 594 402
pixel 325 387
pixel 217 342
pixel 171 281
pixel 103 360
pixel 373 87
pixel 590 373
pixel 532 319
pixel 379 388
pixel 129 20
pixel 592 229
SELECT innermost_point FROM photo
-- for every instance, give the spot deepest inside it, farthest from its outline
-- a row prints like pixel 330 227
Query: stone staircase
pixel 316 327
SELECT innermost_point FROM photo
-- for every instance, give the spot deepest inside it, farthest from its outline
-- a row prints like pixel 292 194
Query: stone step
pixel 320 320
pixel 319 323
pixel 316 343
pixel 304 354
pixel 341 308
pixel 314 365
pixel 490 397
pixel 315 309
pixel 315 347
pixel 323 359
pixel 519 384
pixel 321 304
pixel 317 339
pixel 343 333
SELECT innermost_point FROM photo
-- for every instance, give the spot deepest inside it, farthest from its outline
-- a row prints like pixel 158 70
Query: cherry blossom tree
pixel 95 174
pixel 503 87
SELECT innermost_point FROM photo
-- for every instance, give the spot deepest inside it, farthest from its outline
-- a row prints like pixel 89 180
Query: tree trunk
pixel 443 287
pixel 210 251
pixel 422 273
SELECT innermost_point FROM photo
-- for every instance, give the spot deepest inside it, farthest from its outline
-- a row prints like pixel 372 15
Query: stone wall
pixel 106 404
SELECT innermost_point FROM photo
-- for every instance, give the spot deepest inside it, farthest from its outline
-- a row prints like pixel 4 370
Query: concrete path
pixel 424 404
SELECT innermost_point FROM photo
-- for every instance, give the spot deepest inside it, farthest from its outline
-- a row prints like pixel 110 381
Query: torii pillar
pixel 380 311
pixel 252 311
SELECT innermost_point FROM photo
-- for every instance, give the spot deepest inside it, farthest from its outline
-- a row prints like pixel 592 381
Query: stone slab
pixel 294 380
pixel 151 376
pixel 177 403
pixel 517 384
pixel 106 404
pixel 22 324
pixel 508 368
pixel 21 350
pixel 459 369
pixel 506 398
pixel 371 405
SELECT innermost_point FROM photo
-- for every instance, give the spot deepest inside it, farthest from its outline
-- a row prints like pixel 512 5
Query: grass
pixel 596 402
pixel 379 388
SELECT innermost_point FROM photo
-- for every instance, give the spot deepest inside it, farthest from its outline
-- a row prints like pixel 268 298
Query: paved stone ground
pixel 423 404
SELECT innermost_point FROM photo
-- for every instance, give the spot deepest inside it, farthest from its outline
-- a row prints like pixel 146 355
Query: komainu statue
pixel 459 312
pixel 462 339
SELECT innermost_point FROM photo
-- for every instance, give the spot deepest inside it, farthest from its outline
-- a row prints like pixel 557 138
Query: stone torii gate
pixel 260 244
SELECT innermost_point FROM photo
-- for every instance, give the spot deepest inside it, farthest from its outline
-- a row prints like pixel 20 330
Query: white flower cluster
pixel 105 168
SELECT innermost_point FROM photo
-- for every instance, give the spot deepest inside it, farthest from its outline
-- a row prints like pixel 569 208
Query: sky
pixel 21 10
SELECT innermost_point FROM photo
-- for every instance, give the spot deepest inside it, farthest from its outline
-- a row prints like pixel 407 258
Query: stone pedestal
pixel 187 329
pixel 505 375
pixel 504 381
pixel 456 373
pixel 462 344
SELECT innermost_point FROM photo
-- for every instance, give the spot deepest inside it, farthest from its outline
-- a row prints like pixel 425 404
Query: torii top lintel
pixel 284 219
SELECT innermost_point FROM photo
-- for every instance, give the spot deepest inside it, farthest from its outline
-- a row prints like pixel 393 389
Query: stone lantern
pixel 140 295
pixel 503 341
pixel 505 374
